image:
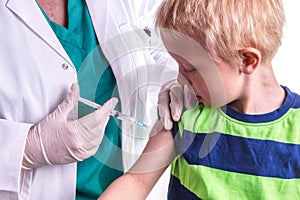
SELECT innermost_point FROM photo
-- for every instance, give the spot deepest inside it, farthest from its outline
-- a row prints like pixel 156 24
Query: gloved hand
pixel 57 140
pixel 173 99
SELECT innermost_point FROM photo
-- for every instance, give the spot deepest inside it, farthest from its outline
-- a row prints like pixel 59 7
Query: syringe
pixel 116 114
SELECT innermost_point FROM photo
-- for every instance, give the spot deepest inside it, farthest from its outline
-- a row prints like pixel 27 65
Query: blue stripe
pixel 242 155
pixel 178 192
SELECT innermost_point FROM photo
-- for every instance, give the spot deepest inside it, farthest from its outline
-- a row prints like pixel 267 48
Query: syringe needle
pixel 114 113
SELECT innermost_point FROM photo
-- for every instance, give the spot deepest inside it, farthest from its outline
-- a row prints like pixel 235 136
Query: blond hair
pixel 223 27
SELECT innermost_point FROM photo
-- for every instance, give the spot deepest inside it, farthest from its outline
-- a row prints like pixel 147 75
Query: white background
pixel 286 67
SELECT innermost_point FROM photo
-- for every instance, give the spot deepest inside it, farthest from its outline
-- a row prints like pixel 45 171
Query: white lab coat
pixel 36 74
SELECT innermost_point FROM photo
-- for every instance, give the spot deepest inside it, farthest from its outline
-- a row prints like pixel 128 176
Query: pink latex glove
pixel 57 140
pixel 173 99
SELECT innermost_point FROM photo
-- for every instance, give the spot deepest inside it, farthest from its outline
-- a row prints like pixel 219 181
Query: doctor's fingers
pixel 69 102
pixel 163 108
pixel 90 128
pixel 182 97
pixel 176 104
pixel 189 97
pixel 170 105
pixel 99 118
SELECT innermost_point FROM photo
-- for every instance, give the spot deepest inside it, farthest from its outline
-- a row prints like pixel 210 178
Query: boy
pixel 242 139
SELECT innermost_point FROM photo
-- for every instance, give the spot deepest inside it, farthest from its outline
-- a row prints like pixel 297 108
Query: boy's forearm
pixel 125 187
pixel 141 178
pixel 133 186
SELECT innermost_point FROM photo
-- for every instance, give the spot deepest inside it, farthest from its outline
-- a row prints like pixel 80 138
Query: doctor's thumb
pixel 105 110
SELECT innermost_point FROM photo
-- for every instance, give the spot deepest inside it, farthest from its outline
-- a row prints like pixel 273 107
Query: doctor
pixel 46 47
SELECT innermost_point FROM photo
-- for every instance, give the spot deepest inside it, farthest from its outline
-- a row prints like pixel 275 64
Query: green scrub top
pixel 97 83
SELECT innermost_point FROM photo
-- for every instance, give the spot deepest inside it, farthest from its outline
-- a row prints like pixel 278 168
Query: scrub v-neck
pixel 78 38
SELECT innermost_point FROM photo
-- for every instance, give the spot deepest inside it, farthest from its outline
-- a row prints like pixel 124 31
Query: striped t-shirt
pixel 229 155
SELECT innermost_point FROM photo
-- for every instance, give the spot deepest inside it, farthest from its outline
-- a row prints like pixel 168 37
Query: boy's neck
pixel 262 93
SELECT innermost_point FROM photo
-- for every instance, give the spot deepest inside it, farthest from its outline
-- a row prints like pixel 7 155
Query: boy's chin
pixel 212 105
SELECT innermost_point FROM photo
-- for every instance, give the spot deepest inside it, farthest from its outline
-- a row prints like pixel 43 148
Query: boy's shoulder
pixel 291 104
pixel 201 118
pixel 295 98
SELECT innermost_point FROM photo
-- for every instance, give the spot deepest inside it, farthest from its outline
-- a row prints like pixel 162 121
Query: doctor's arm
pixel 140 179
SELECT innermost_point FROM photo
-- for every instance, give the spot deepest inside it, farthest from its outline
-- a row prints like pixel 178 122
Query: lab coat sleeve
pixel 166 68
pixel 166 64
pixel 154 68
pixel 157 69
pixel 143 12
pixel 12 143
pixel 163 67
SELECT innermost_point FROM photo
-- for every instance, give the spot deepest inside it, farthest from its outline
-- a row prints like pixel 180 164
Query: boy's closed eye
pixel 188 68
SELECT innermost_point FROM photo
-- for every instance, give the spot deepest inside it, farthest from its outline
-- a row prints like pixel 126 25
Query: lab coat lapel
pixel 31 15
pixel 98 12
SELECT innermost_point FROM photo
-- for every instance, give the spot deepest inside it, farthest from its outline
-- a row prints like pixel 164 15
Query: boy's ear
pixel 251 59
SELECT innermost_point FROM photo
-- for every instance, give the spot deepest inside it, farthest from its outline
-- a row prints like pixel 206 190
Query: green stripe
pixel 206 120
pixel 229 185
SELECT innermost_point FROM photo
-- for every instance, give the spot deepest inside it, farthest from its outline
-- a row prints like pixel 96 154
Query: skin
pixel 56 10
pixel 248 86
